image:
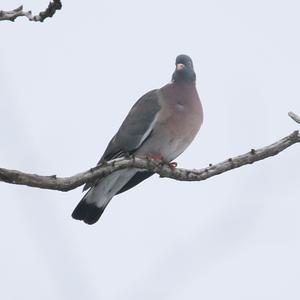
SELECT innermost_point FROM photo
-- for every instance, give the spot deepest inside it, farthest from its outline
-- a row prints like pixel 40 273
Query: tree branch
pixel 295 117
pixel 68 183
pixel 18 12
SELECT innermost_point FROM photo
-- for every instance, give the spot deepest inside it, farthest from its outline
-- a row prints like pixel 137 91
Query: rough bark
pixel 19 12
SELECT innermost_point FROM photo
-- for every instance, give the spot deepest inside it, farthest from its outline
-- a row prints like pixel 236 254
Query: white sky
pixel 66 86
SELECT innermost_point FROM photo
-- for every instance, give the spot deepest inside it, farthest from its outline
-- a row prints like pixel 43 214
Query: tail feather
pixel 94 202
pixel 90 213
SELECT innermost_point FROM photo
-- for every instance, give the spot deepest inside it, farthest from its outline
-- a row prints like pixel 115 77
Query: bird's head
pixel 184 71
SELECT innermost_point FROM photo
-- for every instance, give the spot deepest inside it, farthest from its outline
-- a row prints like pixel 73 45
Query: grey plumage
pixel 162 124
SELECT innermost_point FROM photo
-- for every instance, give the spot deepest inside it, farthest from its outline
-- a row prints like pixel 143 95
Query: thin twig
pixel 294 116
pixel 69 183
pixel 18 12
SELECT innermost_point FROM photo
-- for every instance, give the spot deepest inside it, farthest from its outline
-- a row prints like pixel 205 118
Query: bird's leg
pixel 161 160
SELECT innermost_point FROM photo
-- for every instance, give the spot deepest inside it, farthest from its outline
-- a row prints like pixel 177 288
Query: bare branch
pixel 18 12
pixel 69 183
pixel 295 117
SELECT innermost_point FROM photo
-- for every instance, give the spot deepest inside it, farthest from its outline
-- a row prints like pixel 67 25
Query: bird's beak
pixel 180 67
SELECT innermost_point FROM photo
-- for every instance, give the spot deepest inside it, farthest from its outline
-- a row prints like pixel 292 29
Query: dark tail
pixel 87 212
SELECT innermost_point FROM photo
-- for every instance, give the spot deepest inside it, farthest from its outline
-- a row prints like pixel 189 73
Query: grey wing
pixel 135 129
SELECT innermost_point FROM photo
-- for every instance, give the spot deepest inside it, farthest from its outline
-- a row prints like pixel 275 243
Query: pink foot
pixel 159 158
pixel 173 165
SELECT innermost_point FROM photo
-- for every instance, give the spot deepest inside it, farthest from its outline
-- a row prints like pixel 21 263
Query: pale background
pixel 67 84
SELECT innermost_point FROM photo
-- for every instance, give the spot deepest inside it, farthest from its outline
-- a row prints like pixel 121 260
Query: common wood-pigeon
pixel 160 125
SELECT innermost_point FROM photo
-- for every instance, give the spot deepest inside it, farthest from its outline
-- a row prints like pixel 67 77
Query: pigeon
pixel 160 126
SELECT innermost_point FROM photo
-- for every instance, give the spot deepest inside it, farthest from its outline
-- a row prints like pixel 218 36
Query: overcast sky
pixel 67 84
